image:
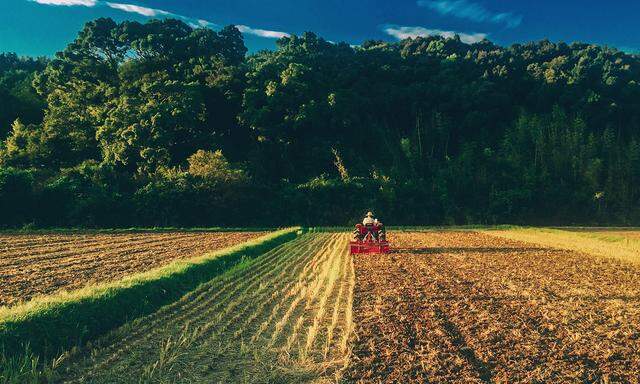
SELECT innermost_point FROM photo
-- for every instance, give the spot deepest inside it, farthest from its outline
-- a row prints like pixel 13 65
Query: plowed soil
pixel 464 307
pixel 32 265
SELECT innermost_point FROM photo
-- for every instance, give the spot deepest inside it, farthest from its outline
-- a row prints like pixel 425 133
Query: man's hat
pixel 369 214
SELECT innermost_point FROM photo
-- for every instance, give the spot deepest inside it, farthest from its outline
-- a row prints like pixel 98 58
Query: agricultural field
pixel 283 317
pixel 40 264
pixel 613 234
pixel 443 307
pixel 617 243
pixel 631 231
pixel 465 307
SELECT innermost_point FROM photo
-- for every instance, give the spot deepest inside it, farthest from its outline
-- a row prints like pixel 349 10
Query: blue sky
pixel 42 27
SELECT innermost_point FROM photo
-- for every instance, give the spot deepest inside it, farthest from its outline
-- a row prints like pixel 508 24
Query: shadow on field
pixel 435 250
pixel 457 339
pixel 529 298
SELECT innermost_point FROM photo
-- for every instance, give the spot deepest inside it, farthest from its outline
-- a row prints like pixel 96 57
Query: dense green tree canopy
pixel 161 123
pixel 19 99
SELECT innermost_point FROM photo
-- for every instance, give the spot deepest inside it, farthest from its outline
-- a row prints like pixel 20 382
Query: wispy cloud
pixel 401 33
pixel 144 11
pixel 262 32
pixel 472 11
pixel 68 3
pixel 153 12
pixel 199 23
pixel 205 23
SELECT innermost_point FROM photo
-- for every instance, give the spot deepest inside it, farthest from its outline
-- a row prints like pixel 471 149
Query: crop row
pixel 43 265
pixel 286 315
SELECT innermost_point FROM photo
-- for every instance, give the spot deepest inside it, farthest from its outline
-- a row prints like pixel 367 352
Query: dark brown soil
pixel 464 307
pixel 32 265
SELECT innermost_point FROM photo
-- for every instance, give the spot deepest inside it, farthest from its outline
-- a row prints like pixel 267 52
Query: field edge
pixel 82 315
pixel 591 243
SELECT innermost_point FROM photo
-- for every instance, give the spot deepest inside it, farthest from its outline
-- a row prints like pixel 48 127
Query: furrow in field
pixel 337 310
pixel 108 252
pixel 224 337
pixel 25 241
pixel 522 313
pixel 348 325
pixel 453 317
pixel 316 311
pixel 465 321
pixel 47 244
pixel 135 257
pixel 18 258
pixel 398 335
pixel 254 306
pixel 298 292
pixel 125 338
pixel 260 345
pixel 16 247
pixel 75 271
pixel 57 257
pixel 197 297
pixel 69 271
pixel 195 308
pixel 585 270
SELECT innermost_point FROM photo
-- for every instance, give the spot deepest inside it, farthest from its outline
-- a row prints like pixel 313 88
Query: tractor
pixel 369 237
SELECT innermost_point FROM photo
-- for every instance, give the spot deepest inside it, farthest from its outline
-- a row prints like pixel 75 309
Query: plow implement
pixel 369 239
pixel 373 247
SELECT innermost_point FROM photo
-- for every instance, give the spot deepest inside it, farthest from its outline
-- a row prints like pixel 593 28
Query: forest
pixel 160 124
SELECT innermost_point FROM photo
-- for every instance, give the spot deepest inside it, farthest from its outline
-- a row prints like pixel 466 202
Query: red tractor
pixel 369 237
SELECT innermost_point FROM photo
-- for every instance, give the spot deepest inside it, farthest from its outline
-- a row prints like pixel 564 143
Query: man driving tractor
pixel 368 219
pixel 369 237
pixel 370 227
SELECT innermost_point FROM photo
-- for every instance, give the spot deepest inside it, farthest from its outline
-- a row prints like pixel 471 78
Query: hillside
pixel 162 124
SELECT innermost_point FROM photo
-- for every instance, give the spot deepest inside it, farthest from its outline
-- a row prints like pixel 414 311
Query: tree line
pixel 161 124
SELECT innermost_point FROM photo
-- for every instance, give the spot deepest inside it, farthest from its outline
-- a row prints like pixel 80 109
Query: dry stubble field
pixel 33 265
pixel 628 233
pixel 283 317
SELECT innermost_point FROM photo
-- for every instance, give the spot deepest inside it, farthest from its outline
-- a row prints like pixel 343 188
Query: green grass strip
pixel 56 323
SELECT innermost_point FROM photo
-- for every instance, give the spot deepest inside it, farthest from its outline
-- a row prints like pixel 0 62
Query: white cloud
pixel 401 33
pixel 86 3
pixel 262 32
pixel 152 12
pixel 471 11
pixel 144 11
pixel 197 23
